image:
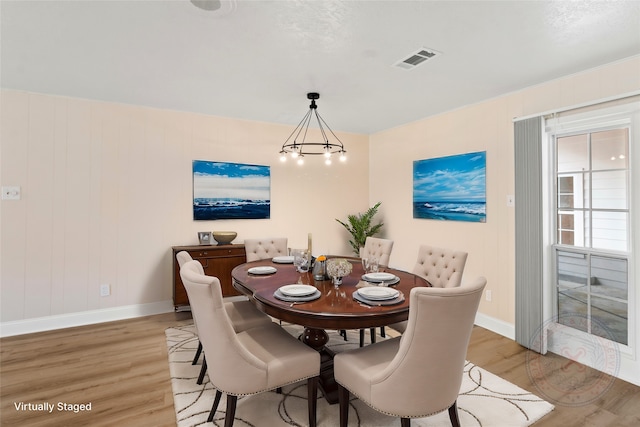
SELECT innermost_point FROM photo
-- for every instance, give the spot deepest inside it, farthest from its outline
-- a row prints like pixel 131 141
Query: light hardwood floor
pixel 121 369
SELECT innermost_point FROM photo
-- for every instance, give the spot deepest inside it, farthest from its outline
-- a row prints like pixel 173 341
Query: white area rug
pixel 485 399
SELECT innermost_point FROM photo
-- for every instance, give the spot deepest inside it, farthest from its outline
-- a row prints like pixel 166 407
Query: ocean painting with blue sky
pixel 230 191
pixel 451 188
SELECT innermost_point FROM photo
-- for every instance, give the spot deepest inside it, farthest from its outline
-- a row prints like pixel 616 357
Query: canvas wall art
pixel 451 188
pixel 230 191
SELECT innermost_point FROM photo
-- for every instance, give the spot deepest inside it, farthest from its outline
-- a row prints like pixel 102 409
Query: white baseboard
pixel 496 325
pixel 60 321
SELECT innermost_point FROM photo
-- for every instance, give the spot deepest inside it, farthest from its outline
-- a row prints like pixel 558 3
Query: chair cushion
pixel 287 359
pixel 244 315
pixel 378 248
pixel 356 368
pixel 442 267
pixel 257 249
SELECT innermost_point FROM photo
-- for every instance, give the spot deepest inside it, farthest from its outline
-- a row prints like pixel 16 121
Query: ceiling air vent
pixel 416 58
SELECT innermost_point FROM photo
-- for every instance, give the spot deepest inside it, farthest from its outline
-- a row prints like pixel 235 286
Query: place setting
pixel 262 270
pixel 380 279
pixel 285 259
pixel 297 293
pixel 378 295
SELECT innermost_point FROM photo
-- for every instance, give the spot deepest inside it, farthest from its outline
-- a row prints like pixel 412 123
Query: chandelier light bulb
pixel 301 160
pixel 294 154
pixel 343 156
pixel 283 157
pixel 327 161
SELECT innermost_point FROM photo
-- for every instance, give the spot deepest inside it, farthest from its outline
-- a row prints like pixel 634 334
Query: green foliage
pixel 360 227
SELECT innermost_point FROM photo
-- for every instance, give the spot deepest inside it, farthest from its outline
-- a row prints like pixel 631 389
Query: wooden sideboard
pixel 217 260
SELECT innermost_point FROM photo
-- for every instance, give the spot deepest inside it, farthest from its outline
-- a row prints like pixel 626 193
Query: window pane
pixel 565 184
pixel 609 190
pixel 609 319
pixel 571 191
pixel 572 286
pixel 571 227
pixel 609 230
pixel 573 154
pixel 609 277
pixel 610 149
pixel 565 201
pixel 566 220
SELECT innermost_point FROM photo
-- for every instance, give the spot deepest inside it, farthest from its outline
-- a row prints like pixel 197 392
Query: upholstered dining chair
pixel 249 362
pixel 418 374
pixel 378 248
pixel 381 250
pixel 242 313
pixel 442 267
pixel 265 248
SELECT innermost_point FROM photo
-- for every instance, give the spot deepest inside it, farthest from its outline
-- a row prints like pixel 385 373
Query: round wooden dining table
pixel 336 307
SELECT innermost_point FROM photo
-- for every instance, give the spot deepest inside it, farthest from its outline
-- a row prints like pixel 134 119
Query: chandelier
pixel 296 148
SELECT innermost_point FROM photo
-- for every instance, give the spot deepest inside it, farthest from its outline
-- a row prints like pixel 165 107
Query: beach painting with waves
pixel 451 188
pixel 230 191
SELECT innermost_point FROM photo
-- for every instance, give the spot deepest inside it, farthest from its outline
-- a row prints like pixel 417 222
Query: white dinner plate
pixel 317 294
pixel 378 277
pixel 283 259
pixel 262 270
pixel 297 290
pixel 378 293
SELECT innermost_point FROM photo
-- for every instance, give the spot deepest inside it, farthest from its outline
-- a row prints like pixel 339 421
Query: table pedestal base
pixel 317 339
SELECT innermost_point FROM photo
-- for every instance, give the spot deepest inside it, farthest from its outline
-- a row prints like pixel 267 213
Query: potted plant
pixel 361 226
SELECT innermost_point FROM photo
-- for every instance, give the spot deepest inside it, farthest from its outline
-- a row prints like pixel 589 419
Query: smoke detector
pixel 416 58
pixel 219 7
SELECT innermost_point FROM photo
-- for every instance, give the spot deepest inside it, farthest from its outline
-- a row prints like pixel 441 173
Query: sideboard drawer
pixel 217 252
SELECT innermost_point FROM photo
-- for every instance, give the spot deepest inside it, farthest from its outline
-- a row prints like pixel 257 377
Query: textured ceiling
pixel 258 59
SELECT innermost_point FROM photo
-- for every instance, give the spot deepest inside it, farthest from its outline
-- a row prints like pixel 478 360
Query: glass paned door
pixel 592 238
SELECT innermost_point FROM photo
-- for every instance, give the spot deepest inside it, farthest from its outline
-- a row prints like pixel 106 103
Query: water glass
pixel 301 260
pixel 370 265
pixel 373 265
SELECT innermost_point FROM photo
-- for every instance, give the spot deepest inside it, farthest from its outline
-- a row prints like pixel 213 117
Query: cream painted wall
pixel 487 126
pixel 106 191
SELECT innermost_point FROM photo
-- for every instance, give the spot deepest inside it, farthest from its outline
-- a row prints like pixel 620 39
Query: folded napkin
pixel 362 284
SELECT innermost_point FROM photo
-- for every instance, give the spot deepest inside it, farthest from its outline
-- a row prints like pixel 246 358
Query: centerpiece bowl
pixel 224 237
pixel 337 268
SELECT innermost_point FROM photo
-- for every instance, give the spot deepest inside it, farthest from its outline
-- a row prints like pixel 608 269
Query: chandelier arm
pixel 332 133
pixel 298 128
pixel 306 125
pixel 322 131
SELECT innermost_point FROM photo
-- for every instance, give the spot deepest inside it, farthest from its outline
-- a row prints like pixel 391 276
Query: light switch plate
pixel 11 193
pixel 105 290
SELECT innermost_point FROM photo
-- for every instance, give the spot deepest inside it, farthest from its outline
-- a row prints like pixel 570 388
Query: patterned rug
pixel 485 399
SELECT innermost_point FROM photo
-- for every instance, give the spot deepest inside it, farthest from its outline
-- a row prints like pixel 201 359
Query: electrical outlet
pixel 11 193
pixel 511 200
pixel 105 290
pixel 487 294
